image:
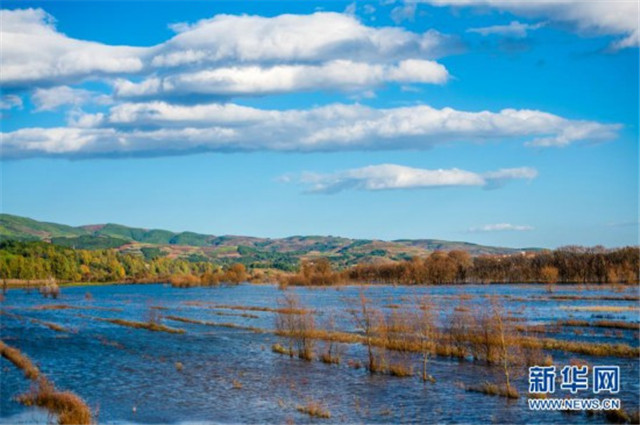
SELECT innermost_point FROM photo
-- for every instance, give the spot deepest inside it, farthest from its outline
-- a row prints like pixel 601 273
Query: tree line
pixel 564 265
pixel 41 261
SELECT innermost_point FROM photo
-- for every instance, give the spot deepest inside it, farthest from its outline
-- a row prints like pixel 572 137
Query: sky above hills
pixel 504 123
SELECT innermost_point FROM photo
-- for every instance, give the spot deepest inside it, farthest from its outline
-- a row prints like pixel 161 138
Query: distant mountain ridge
pixel 186 244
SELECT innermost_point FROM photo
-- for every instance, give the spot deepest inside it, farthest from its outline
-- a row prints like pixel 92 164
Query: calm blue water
pixel 117 368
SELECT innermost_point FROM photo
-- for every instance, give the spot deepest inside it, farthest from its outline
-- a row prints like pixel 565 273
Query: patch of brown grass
pixel 21 361
pixel 400 370
pixel 495 390
pixel 602 308
pixel 614 324
pixel 329 359
pixel 70 408
pixel 314 409
pixel 256 308
pixel 277 348
pixel 150 326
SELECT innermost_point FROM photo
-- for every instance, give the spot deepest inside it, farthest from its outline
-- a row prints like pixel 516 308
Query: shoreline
pixel 13 284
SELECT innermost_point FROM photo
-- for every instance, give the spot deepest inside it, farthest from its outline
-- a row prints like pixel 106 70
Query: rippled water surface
pixel 129 375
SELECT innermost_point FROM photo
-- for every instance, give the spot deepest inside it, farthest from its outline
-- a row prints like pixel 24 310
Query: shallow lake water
pixel 129 375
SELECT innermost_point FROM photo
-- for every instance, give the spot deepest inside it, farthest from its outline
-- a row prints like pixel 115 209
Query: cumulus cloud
pixel 501 227
pixel 618 18
pixel 55 97
pixel 34 52
pixel 317 37
pixel 343 75
pixel 10 101
pixel 151 128
pixel 514 29
pixel 226 55
pixel 391 177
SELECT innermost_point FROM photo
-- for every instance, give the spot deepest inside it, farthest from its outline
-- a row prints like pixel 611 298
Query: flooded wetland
pixel 346 354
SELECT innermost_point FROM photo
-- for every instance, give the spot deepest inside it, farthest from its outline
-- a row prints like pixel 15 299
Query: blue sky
pixel 491 123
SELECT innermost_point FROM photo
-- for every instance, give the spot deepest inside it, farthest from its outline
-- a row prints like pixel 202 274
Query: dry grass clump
pixel 329 359
pixel 400 370
pixel 614 324
pixel 21 361
pixel 52 307
pixel 297 328
pixel 598 350
pixel 277 348
pixel 150 326
pixel 51 289
pixel 602 308
pixel 70 408
pixel 187 320
pixel 314 409
pixel 596 297
pixel 245 315
pixel 282 310
pixel 493 389
pixel 50 325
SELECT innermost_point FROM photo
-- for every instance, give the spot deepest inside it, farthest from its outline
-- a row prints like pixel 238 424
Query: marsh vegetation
pixel 355 353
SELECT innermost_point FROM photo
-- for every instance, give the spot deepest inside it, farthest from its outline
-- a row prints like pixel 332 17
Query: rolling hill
pixel 210 247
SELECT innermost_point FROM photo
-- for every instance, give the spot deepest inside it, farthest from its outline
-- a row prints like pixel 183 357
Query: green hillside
pixel 22 228
pixel 284 252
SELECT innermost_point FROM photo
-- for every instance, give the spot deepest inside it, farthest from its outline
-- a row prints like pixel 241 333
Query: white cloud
pixel 619 18
pixel 391 176
pixel 369 9
pixel 52 98
pixel 226 55
pixel 318 37
pixel 34 52
pixel 501 227
pixel 256 80
pixel 10 101
pixel 406 12
pixel 153 128
pixel 513 29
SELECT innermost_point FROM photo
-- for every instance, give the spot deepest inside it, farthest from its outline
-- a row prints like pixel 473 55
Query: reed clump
pixel 495 390
pixel 400 370
pixel 21 361
pixel 315 409
pixel 70 408
pixel 277 348
pixel 50 289
pixel 614 324
pixel 150 326
pixel 297 328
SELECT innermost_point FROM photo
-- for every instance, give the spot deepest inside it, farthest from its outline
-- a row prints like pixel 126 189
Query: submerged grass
pixel 314 409
pixel 150 326
pixel 218 324
pixel 70 408
pixel 495 390
pixel 20 361
pixel 614 324
pixel 50 325
pixel 602 308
